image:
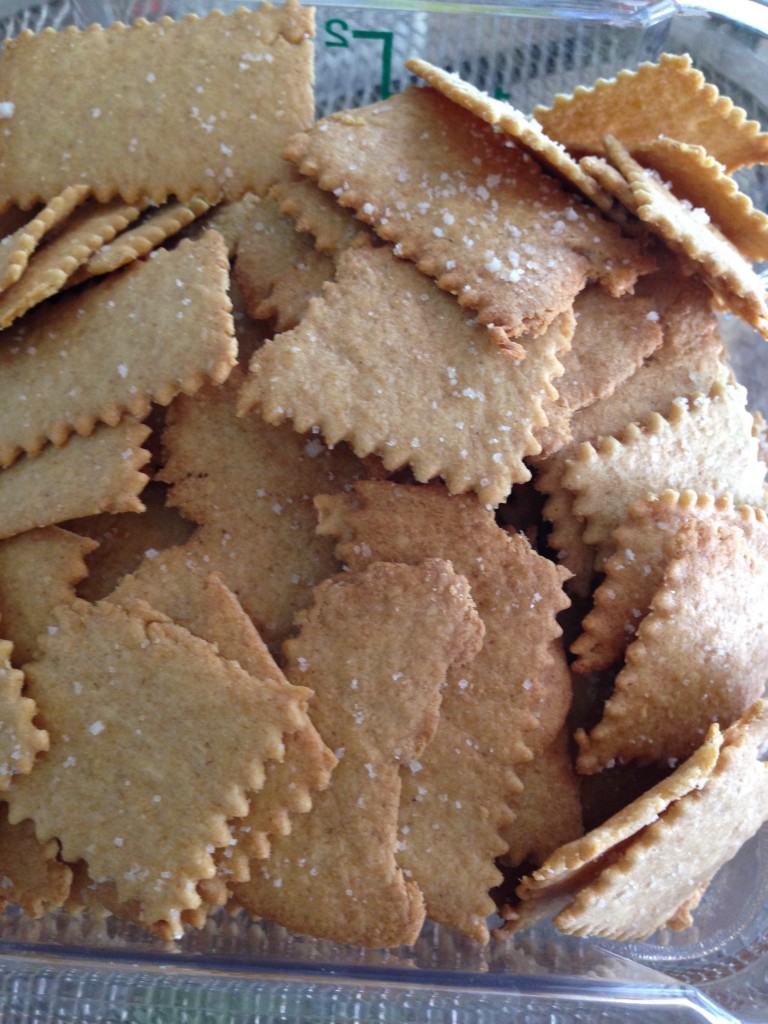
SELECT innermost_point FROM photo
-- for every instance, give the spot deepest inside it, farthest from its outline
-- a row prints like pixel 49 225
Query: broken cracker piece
pixel 375 648
pixel 550 243
pixel 31 874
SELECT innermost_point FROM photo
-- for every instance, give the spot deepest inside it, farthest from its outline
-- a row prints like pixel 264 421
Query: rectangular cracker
pixel 160 327
pixel 100 473
pixel 170 122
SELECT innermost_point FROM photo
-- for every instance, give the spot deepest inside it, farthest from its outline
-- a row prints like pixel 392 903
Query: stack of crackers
pixel 380 517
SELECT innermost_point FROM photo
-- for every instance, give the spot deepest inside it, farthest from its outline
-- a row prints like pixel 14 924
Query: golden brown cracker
pixel 250 486
pixel 20 739
pixel 39 570
pixel 668 98
pixel 318 214
pixel 153 230
pixel 138 144
pixel 699 655
pixel 292 290
pixel 525 131
pixel 122 540
pixel 31 875
pixel 231 219
pixel 18 246
pixel 370 365
pixel 375 648
pixel 635 570
pixel 51 266
pixel 175 333
pixel 152 837
pixel 88 475
pixel 697 178
pixel 671 861
pixel 463 782
pixel 689 231
pixel 706 443
pixel 495 230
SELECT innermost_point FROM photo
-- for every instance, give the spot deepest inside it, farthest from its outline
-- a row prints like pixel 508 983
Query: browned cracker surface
pixel 158 328
pixel 387 361
pixel 424 172
pixel 138 145
pixel 153 836
pixel 375 647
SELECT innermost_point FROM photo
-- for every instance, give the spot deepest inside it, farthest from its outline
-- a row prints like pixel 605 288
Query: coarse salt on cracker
pixel 108 787
pixel 99 473
pixel 667 865
pixel 172 122
pixel 17 247
pixel 375 647
pixel 39 570
pixel 472 210
pixel 667 98
pixel 160 327
pixel 388 362
pixel 700 654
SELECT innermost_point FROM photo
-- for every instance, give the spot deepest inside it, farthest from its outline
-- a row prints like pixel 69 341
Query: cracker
pixel 91 692
pixel 17 247
pixel 548 810
pixel 495 230
pixel 39 570
pixel 122 540
pixel 699 655
pixel 318 214
pixel 153 230
pixel 292 290
pixel 669 98
pixel 208 609
pixel 690 232
pixel 375 647
pixel 669 863
pixel 88 475
pixel 134 142
pixel 31 875
pixel 635 571
pixel 47 271
pixel 697 178
pixel 250 486
pixel 388 362
pixel 231 219
pixel 159 328
pixel 706 443
pixel 496 713
pixel 525 130
pixel 20 739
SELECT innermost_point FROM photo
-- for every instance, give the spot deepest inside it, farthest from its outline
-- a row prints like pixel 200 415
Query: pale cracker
pixel 700 654
pixel 525 130
pixel 667 98
pixel 635 570
pixel 706 443
pixel 138 145
pixel 100 473
pixel 388 362
pixel 51 266
pixel 139 241
pixel 690 232
pixel 39 570
pixel 388 162
pixel 20 739
pixel 697 178
pixel 160 327
pixel 375 647
pixel 16 248
pixel 31 875
pixel 496 712
pixel 250 486
pixel 669 863
pixel 86 686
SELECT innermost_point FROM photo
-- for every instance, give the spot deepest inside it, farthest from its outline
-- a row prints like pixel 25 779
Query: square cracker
pixel 170 120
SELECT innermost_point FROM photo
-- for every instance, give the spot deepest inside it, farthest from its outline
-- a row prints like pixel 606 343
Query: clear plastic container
pixel 65 968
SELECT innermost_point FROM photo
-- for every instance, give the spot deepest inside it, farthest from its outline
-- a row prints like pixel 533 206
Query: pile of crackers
pixel 380 517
